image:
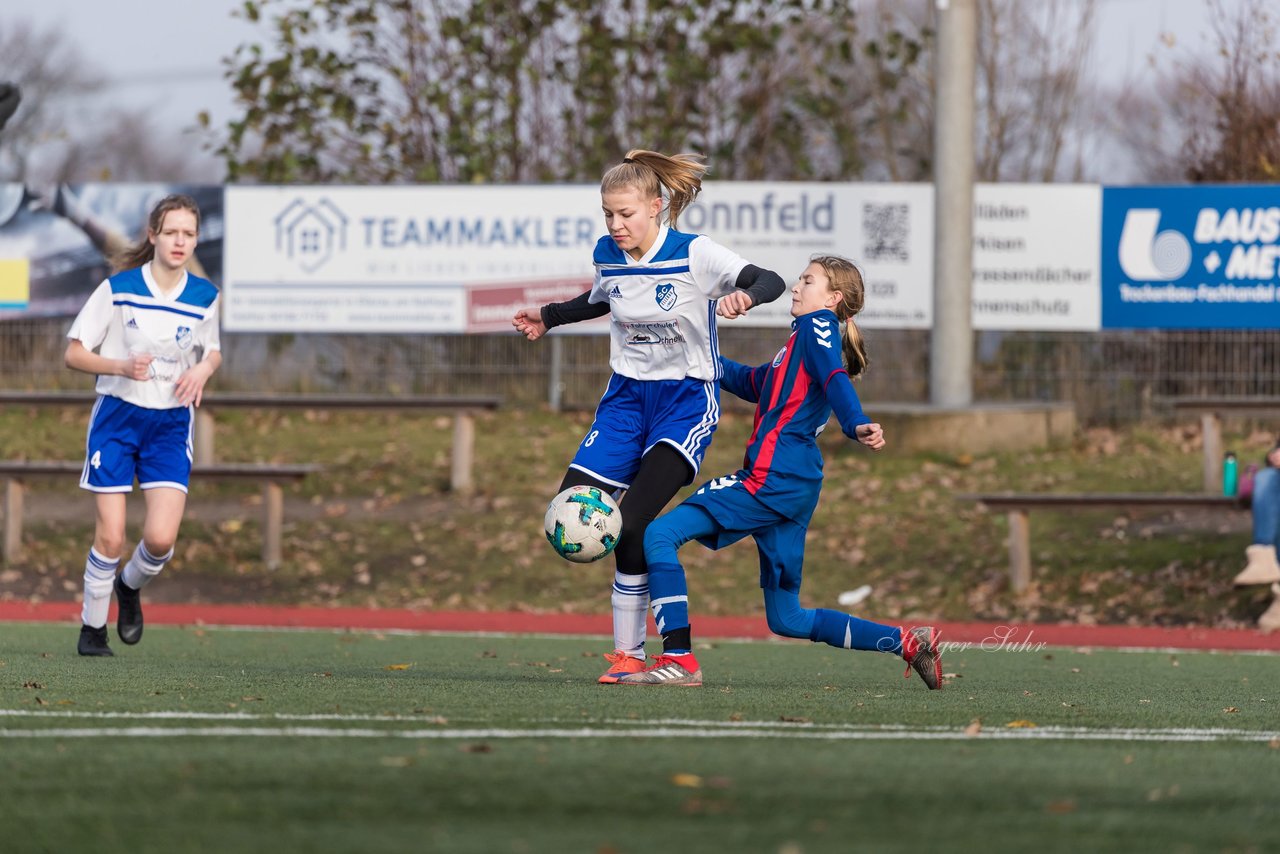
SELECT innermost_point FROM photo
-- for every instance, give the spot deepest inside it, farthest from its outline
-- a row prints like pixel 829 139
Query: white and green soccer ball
pixel 583 524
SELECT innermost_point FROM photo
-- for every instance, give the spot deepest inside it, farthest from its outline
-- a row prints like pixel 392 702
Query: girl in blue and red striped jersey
pixel 663 290
pixel 773 496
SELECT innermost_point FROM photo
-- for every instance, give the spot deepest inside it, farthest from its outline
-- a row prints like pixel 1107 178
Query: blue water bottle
pixel 1230 475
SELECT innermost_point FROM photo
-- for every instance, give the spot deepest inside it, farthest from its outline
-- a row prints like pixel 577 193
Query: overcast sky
pixel 166 57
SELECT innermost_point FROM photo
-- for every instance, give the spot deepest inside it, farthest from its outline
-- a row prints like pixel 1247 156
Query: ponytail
pixel 846 280
pixel 650 172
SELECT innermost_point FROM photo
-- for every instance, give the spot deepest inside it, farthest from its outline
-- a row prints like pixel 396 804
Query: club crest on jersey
pixel 666 296
pixel 777 360
pixel 183 337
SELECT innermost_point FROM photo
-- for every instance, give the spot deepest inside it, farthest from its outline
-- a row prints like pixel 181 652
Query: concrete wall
pixel 976 429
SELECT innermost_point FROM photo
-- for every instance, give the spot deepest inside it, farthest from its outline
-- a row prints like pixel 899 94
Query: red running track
pixel 987 635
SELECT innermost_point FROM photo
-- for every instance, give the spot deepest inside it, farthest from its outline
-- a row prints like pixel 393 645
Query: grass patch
pixel 379 526
pixel 203 739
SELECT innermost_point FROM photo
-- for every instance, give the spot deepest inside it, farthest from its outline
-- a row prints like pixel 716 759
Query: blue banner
pixel 1190 257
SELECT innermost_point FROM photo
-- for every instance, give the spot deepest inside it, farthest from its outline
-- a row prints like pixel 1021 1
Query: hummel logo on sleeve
pixel 822 332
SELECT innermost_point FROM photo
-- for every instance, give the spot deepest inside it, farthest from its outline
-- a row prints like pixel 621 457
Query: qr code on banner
pixel 886 229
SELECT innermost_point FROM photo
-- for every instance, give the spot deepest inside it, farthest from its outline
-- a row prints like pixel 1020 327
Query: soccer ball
pixel 583 523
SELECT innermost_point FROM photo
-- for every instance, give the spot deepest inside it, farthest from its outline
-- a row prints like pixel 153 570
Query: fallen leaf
pixel 974 727
pixel 793 720
pixel 1231 710
pixel 32 684
pixel 1274 744
pixel 476 748
pixel 396 761
pixel 397 667
pixel 1021 724
pixel 1060 807
pixel 686 781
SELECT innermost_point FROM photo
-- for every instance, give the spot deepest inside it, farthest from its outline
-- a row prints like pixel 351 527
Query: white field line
pixel 671 728
pixel 1038 734
pixel 630 726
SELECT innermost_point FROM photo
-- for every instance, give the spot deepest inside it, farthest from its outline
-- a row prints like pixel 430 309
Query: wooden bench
pixel 1211 411
pixel 17 472
pixel 1018 505
pixel 463 409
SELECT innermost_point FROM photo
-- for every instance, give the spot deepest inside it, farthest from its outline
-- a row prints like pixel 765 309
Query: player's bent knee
pixel 788 627
pixel 785 615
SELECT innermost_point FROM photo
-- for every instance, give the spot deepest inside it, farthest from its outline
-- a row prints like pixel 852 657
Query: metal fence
pixel 1113 377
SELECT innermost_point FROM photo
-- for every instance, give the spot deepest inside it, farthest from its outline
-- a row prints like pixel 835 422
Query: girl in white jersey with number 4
pixel 663 289
pixel 150 334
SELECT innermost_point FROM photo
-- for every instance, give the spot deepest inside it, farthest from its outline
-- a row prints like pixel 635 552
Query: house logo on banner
pixel 1190 257
pixel 310 234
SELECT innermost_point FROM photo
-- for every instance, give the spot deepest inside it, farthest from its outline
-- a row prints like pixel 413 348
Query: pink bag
pixel 1244 488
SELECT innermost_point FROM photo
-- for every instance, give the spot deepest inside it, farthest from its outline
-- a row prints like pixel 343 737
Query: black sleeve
pixel 760 284
pixel 559 313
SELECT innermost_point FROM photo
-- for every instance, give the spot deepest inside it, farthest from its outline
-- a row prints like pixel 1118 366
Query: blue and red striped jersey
pixel 794 398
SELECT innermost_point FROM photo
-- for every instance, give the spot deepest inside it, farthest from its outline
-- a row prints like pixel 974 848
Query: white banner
pixel 886 229
pixel 394 259
pixel 1036 250
pixel 401 259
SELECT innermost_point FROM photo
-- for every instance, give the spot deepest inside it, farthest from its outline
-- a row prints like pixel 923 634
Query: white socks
pixel 99 575
pixel 630 612
pixel 143 567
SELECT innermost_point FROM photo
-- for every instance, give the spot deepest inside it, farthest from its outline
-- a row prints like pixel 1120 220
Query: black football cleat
pixel 93 641
pixel 128 612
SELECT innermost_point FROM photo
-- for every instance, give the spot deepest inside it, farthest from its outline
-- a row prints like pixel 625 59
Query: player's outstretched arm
pixel 528 322
pixel 871 435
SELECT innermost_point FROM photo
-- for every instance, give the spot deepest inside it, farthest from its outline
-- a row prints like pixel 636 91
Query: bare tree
pixel 49 71
pixel 65 130
pixel 1208 117
pixel 1032 58
pixel 1238 138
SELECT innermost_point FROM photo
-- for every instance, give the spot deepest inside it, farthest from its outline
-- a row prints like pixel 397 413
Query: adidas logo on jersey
pixel 616 292
pixel 132 324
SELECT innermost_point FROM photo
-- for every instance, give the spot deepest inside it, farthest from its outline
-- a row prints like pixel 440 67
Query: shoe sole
pixel 694 681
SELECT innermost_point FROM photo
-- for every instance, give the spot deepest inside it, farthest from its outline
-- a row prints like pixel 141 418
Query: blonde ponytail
pixel 651 172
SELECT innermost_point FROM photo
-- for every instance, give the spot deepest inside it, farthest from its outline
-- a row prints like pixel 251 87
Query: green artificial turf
pixel 204 739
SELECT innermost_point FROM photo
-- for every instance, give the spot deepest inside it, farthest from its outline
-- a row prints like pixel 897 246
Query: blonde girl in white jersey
pixel 663 290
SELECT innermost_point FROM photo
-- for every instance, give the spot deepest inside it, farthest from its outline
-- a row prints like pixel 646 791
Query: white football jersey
pixel 127 314
pixel 663 307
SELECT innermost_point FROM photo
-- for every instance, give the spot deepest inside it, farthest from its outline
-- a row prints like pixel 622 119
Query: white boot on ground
pixel 1270 619
pixel 1262 567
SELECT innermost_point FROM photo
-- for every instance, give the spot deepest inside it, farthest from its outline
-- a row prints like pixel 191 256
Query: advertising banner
pixel 453 259
pixel 887 229
pixel 56 241
pixel 1035 257
pixel 1190 257
pixel 395 259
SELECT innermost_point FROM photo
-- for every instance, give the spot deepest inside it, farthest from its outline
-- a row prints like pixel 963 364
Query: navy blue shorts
pixel 635 415
pixel 127 441
pixel 779 539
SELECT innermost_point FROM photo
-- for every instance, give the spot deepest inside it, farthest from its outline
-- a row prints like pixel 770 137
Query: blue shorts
pixel 127 441
pixel 635 415
pixel 779 539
